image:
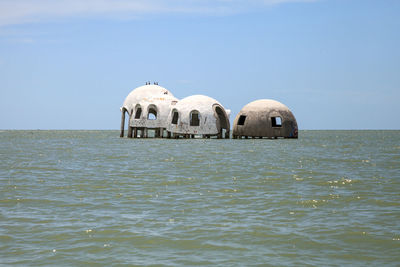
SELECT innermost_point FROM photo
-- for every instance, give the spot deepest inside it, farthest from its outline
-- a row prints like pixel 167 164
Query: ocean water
pixel 77 198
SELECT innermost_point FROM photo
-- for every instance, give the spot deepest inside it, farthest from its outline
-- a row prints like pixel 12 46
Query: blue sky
pixel 70 64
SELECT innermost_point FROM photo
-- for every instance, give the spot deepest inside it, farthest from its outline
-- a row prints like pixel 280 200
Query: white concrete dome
pixel 265 118
pixel 198 114
pixel 147 106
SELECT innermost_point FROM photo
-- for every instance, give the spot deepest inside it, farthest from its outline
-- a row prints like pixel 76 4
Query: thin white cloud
pixel 25 11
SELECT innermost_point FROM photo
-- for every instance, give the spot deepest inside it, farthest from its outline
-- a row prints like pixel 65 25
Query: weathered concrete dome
pixel 148 107
pixel 265 118
pixel 199 115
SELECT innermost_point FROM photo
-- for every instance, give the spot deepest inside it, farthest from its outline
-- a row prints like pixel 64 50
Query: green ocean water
pixel 77 198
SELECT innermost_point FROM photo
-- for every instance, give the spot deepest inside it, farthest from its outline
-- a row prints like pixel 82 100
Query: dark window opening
pixel 152 114
pixel 175 118
pixel 276 121
pixel 194 119
pixel 138 113
pixel 242 118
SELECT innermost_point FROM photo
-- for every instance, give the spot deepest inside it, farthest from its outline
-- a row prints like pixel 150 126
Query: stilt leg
pixel 227 136
pixel 122 123
pixel 130 131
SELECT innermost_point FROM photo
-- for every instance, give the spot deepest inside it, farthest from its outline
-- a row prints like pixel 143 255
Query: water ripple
pixel 89 197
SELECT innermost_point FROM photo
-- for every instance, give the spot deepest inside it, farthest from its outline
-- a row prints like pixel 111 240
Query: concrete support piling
pixel 122 124
pixel 227 135
pixel 130 129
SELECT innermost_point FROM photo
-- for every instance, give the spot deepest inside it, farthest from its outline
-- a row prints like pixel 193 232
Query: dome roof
pixel 149 93
pixel 264 105
pixel 199 102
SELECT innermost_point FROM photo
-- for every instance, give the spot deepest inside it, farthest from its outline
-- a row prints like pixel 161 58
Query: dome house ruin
pixel 153 111
pixel 265 118
pixel 199 115
pixel 148 108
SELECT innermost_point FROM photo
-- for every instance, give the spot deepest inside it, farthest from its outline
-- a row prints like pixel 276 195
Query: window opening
pixel 242 119
pixel 152 114
pixel 175 118
pixel 138 113
pixel 276 121
pixel 194 119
